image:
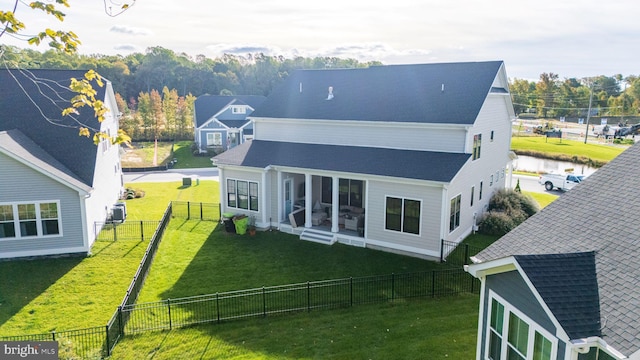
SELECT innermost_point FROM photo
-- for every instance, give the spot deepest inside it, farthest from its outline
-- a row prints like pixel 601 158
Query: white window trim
pixel 238 109
pixel 38 219
pixel 248 195
pixel 216 138
pixel 533 328
pixel 459 211
pixel 403 198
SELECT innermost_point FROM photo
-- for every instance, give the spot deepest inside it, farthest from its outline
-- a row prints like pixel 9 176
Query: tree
pixel 545 90
pixel 65 43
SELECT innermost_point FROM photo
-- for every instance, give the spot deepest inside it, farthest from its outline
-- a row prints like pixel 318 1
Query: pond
pixel 537 165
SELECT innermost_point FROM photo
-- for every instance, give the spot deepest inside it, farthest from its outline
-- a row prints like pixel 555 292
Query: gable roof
pixel 602 214
pixel 569 287
pixel 18 146
pixel 408 164
pixel 207 105
pixel 447 93
pixel 57 136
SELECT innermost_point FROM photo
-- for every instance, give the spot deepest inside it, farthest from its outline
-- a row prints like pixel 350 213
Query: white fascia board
pixel 481 270
pixel 596 341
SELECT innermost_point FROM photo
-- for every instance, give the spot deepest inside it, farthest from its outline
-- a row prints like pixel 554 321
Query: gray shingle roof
pixel 569 287
pixel 447 93
pixel 59 140
pixel 207 106
pixel 409 164
pixel 602 214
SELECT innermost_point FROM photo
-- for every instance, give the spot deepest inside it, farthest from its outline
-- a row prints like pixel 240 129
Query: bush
pixel 507 209
pixel 496 223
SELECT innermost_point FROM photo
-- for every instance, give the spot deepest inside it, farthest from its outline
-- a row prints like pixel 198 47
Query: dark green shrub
pixel 496 223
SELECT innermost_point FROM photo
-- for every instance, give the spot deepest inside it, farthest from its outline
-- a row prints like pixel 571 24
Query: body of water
pixel 537 165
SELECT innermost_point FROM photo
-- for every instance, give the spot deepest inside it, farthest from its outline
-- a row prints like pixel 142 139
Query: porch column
pixel 263 202
pixel 280 200
pixel 335 206
pixel 308 200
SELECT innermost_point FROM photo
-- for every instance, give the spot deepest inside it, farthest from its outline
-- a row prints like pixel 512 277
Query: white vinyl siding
pixel 371 134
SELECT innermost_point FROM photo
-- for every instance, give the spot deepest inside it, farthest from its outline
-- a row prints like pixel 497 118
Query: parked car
pixel 562 182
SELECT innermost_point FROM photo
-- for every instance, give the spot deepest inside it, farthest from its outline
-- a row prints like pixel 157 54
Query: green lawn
pixel 182 152
pixel 565 149
pixel 38 296
pixel 193 259
pixel 440 328
pixel 543 199
pixel 142 155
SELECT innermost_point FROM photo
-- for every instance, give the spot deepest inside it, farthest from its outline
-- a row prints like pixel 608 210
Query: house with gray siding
pixel 396 157
pixel 564 285
pixel 221 121
pixel 54 184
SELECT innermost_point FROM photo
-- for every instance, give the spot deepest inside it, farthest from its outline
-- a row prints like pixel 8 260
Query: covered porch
pixel 326 208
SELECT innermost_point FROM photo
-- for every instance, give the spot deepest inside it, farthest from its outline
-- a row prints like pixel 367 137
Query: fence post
pixel 107 351
pixel 115 233
pixel 141 231
pixel 201 218
pixel 393 286
pixel 441 250
pixel 53 335
pixel 218 306
pixel 433 283
pixel 219 212
pixel 308 297
pixel 351 291
pixel 264 302
pixel 466 254
pixel 188 210
pixel 169 307
pixel 120 321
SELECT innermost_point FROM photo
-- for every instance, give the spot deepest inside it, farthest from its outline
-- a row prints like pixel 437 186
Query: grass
pixel 565 150
pixel 141 155
pixel 43 295
pixel 196 259
pixel 543 199
pixel 441 328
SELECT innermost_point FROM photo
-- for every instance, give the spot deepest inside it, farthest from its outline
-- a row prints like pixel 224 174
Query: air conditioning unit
pixel 119 212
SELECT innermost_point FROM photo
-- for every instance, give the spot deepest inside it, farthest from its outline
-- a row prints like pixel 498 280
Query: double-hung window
pixel 25 220
pixel 477 145
pixel 214 139
pixel 513 336
pixel 454 213
pixel 403 215
pixel 242 194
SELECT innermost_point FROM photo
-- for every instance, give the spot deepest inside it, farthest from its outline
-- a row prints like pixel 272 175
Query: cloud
pixel 130 30
pixel 126 48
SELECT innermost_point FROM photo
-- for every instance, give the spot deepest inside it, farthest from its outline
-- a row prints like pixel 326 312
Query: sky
pixel 571 38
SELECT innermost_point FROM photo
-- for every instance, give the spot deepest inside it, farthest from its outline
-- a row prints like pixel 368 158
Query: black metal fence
pixel 196 210
pixel 457 253
pixel 128 230
pixel 273 300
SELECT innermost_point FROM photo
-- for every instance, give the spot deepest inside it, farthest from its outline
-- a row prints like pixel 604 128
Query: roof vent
pixel 300 87
pixel 442 89
pixel 330 95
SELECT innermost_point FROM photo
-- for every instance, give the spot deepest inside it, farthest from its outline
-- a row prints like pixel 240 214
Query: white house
pixel 54 184
pixel 390 157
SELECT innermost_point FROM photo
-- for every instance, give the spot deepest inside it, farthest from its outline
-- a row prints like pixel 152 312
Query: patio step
pixel 318 236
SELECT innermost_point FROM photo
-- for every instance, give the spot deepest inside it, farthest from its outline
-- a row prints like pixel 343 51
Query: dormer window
pixel 238 109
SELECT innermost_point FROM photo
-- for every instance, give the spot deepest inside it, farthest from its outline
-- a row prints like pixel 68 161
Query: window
pixel 242 194
pixel 473 188
pixel 513 336
pixel 491 180
pixel 480 192
pixel 403 215
pixel 29 220
pixel 214 139
pixel 477 144
pixel 238 109
pixel 454 213
pixel 491 136
pixel 350 192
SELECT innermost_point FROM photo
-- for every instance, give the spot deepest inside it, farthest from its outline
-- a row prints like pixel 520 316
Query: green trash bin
pixel 241 224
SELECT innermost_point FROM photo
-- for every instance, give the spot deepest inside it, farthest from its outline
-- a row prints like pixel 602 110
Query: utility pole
pixel 586 133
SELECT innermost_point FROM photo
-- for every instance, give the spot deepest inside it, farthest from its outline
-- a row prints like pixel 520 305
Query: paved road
pixel 172 175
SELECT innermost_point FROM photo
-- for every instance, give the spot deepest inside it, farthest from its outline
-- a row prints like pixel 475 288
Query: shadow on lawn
pixel 24 280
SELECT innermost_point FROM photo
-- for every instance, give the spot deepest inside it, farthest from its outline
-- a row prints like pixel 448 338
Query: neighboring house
pixel 390 157
pixel 221 121
pixel 565 284
pixel 54 184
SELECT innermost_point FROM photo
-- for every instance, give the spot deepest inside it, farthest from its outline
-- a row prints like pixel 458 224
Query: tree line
pixel 150 110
